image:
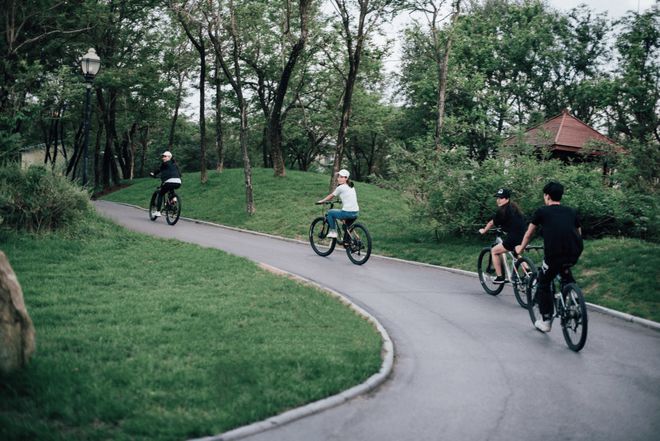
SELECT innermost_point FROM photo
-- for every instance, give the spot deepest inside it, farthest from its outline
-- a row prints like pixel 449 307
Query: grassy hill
pixel 285 207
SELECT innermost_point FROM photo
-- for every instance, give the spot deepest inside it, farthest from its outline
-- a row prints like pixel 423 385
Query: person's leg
pixel 161 193
pixel 345 215
pixel 332 222
pixel 544 296
pixel 495 253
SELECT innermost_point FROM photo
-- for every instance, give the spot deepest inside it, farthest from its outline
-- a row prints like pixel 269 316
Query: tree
pixel 234 76
pixel 194 29
pixel 636 88
pixel 358 19
pixel 439 51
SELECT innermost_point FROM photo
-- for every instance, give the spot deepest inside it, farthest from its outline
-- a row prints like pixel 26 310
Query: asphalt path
pixel 468 366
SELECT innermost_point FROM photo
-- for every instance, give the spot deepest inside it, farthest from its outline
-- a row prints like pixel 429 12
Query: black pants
pixel 548 272
pixel 167 187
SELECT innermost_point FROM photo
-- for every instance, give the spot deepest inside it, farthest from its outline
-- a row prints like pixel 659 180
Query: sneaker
pixel 156 214
pixel 332 234
pixel 499 280
pixel 543 325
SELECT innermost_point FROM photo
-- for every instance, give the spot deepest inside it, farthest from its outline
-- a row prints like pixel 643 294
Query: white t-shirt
pixel 348 197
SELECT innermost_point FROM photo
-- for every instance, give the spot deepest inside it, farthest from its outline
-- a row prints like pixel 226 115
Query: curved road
pixel 468 366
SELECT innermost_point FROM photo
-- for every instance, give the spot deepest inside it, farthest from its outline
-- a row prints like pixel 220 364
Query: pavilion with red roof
pixel 565 136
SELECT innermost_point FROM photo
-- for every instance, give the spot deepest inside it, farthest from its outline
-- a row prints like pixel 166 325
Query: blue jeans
pixel 335 214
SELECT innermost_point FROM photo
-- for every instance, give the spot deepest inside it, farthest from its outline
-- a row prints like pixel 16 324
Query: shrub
pixel 37 200
pixel 457 192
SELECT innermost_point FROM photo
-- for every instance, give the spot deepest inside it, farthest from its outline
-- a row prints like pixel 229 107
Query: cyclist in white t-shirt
pixel 349 204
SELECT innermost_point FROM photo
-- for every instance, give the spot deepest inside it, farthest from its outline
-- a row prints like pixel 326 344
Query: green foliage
pixel 37 200
pixel 456 192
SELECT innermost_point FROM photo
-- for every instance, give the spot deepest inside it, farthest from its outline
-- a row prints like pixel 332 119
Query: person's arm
pixel 488 226
pixel 528 236
pixel 325 199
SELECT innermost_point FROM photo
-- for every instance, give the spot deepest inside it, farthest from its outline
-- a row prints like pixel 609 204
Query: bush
pixel 457 192
pixel 36 200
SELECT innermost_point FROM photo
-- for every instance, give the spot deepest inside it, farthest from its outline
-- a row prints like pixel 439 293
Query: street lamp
pixel 90 64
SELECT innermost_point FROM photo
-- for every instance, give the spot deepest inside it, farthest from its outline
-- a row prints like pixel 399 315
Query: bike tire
pixel 574 320
pixel 359 248
pixel 523 275
pixel 152 206
pixel 173 211
pixel 318 230
pixel 486 272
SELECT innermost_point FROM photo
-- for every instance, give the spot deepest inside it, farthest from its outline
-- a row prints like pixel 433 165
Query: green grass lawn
pixel 285 206
pixel 143 338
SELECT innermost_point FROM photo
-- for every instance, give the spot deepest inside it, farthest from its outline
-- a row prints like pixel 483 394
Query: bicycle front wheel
pixel 524 271
pixel 574 317
pixel 173 210
pixel 487 273
pixel 152 206
pixel 318 231
pixel 358 249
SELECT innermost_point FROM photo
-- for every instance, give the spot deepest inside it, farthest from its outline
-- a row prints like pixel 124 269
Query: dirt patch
pixel 106 191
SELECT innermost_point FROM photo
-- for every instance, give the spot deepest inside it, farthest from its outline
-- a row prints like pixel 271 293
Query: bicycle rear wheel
pixel 359 248
pixel 173 210
pixel 152 206
pixel 318 231
pixel 524 271
pixel 487 273
pixel 574 317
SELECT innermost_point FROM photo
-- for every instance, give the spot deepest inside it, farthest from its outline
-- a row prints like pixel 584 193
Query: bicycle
pixel 352 235
pixel 569 306
pixel 171 206
pixel 520 270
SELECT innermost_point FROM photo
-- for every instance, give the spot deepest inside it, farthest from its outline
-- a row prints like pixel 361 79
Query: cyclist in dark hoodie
pixel 170 178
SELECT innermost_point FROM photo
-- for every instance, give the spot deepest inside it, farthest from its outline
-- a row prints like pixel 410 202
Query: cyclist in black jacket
pixel 170 177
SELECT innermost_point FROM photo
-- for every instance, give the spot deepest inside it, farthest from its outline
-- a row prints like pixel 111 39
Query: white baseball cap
pixel 343 172
pixel 167 153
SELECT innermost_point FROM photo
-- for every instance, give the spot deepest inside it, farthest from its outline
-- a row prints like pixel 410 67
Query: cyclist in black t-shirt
pixel 509 217
pixel 562 242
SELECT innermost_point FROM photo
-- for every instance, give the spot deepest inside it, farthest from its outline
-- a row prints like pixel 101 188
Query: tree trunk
pixel 219 146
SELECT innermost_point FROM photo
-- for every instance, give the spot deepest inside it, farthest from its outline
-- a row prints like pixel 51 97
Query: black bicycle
pixel 570 308
pixel 171 206
pixel 519 270
pixel 353 236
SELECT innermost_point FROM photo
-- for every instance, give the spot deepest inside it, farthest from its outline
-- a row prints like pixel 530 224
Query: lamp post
pixel 90 64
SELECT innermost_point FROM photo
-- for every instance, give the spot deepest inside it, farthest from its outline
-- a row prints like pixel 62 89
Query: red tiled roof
pixel 562 132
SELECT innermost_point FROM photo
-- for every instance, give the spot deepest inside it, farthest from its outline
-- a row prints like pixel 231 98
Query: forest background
pixel 302 85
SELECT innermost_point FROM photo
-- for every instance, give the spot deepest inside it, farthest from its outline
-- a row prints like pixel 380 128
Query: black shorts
pixel 510 242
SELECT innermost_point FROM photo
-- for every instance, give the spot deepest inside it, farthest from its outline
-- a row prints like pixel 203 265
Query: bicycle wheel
pixel 486 272
pixel 359 248
pixel 173 210
pixel 152 206
pixel 574 317
pixel 318 231
pixel 524 271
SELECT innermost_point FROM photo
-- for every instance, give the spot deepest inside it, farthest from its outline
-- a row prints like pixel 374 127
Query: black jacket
pixel 167 170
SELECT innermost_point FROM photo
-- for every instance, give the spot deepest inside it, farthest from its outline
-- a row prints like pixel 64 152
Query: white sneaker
pixel 156 214
pixel 543 325
pixel 332 234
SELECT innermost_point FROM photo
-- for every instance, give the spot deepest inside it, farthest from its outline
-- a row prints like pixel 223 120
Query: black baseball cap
pixel 504 193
